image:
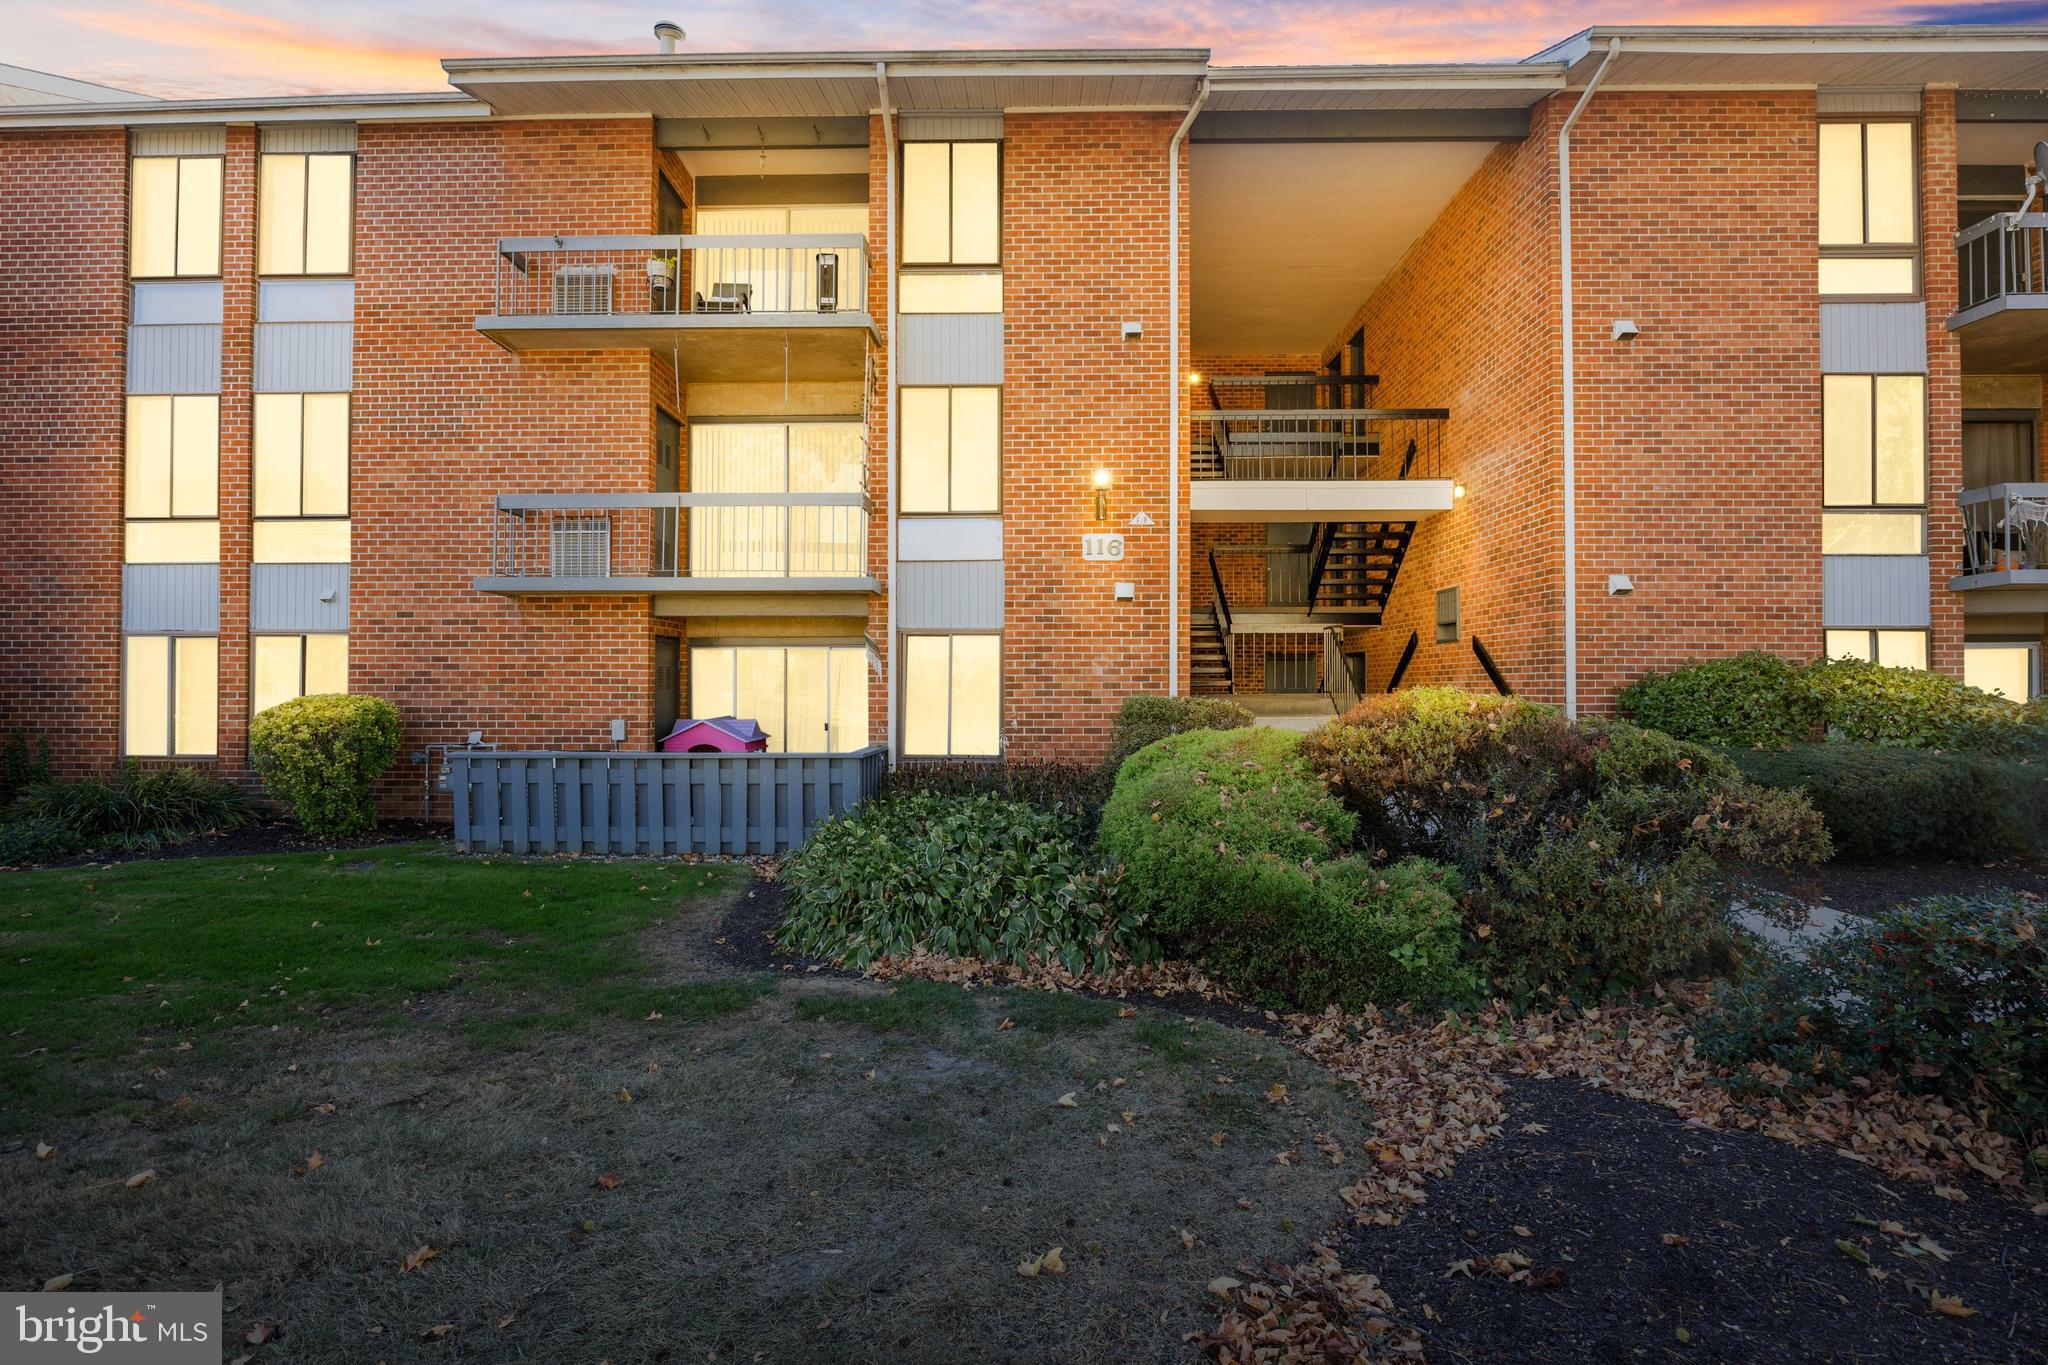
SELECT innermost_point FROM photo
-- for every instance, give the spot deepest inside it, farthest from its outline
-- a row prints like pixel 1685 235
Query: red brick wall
pixel 1944 378
pixel 63 315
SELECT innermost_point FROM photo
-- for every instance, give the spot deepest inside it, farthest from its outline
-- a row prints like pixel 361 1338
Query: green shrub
pixel 1750 699
pixel 1076 789
pixel 1589 851
pixel 1883 802
pixel 1949 995
pixel 22 764
pixel 137 807
pixel 972 876
pixel 37 840
pixel 1919 709
pixel 320 754
pixel 1143 719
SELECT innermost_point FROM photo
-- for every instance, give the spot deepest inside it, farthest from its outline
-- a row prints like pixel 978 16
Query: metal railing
pixel 1337 672
pixel 2002 257
pixel 2005 528
pixel 1318 443
pixel 680 275
pixel 1219 612
pixel 586 536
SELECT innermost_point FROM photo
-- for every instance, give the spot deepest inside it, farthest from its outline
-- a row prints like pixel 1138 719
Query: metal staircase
pixel 1352 568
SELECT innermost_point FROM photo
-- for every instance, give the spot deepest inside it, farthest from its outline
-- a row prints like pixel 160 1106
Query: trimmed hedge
pixel 1880 801
pixel 320 755
pixel 1750 699
pixel 1076 789
pixel 1143 719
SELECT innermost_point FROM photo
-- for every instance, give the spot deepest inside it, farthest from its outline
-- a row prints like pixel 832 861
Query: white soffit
pixel 1287 239
pixel 1483 85
pixel 752 161
pixel 1972 56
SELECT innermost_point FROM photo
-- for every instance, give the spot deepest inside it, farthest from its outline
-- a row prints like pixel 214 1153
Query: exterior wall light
pixel 1102 495
pixel 1194 376
pixel 1457 492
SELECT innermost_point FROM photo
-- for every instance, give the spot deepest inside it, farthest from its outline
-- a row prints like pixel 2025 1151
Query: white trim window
pixel 2004 668
pixel 285 667
pixel 170 696
pixel 808 699
pixel 174 217
pixel 952 696
pixel 1891 648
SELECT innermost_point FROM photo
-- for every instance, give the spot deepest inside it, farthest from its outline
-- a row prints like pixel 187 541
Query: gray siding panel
pixel 1844 101
pixel 981 127
pixel 160 599
pixel 305 357
pixel 309 137
pixel 950 348
pixel 1874 591
pixel 950 595
pixel 174 301
pixel 284 599
pixel 306 301
pixel 1873 338
pixel 180 358
pixel 191 141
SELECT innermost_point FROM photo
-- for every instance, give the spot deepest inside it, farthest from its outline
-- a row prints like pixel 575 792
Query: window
pixel 951 444
pixel 1874 456
pixel 973 291
pixel 2012 671
pixel 305 220
pixel 288 666
pixel 297 541
pixel 301 454
pixel 1892 648
pixel 1447 616
pixel 174 216
pixel 173 456
pixel 809 699
pixel 770 540
pixel 952 695
pixel 170 696
pixel 1868 203
pixel 952 203
pixel 775 280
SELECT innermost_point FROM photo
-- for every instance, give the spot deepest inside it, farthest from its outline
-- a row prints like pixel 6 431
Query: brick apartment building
pixel 940 400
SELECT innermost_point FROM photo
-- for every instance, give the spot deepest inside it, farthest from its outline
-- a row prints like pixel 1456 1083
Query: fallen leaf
pixel 1852 1251
pixel 1215 1139
pixel 1276 1093
pixel 625 1095
pixel 1006 1026
pixel 417 1259
pixel 1067 1101
pixel 1521 1231
pixel 313 1163
pixel 44 1151
pixel 653 1015
pixel 260 1333
pixel 57 1284
pixel 440 1331
pixel 1054 1263
pixel 1188 1239
pixel 609 1181
pixel 1951 1306
pixel 1675 1239
pixel 141 1178
pixel 1535 1129
pixel 1127 1012
pixel 1223 1284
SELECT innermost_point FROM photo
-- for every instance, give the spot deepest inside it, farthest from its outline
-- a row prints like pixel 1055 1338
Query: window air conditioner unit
pixel 584 289
pixel 581 547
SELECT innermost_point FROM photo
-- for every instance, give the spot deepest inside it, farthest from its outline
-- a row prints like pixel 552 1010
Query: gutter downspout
pixel 1571 450
pixel 1174 634
pixel 889 404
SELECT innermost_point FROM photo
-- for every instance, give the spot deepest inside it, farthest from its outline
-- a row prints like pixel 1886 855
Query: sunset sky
pixel 184 48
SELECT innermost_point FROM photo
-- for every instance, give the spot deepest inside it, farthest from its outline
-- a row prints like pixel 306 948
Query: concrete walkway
pixel 1298 711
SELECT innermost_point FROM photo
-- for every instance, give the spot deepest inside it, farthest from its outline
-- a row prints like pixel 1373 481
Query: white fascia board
pixel 352 109
pixel 1285 500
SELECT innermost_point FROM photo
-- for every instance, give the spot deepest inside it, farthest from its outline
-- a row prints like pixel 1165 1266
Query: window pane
pixel 281 216
pixel 274 664
pixel 1845 440
pixel 761 696
pixel 2002 670
pixel 739 457
pixel 826 457
pixel 1902 648
pixel 974 292
pixel 198 696
pixel 977 441
pixel 927 201
pixel 1888 148
pixel 1858 275
pixel 1849 644
pixel 1841 184
pixel 710 683
pixel 849 699
pixel 926 419
pixel 329 209
pixel 153 217
pixel 1870 533
pixel 977 694
pixel 326 454
pixel 199 217
pixel 146 696
pixel 326 664
pixel 278 441
pixel 149 457
pixel 300 542
pixel 977 196
pixel 1901 439
pixel 810 701
pixel 927 669
pixel 195 456
pixel 173 542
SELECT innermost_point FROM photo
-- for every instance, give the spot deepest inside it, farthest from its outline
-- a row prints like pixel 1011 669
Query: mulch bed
pixel 269 837
pixel 1598 1180
pixel 1870 888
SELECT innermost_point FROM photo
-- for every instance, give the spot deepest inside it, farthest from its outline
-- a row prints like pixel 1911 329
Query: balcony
pixel 2005 544
pixel 1318 464
pixel 730 308
pixel 699 554
pixel 2002 294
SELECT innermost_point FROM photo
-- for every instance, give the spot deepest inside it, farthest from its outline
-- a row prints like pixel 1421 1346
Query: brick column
pixel 1944 378
pixel 237 474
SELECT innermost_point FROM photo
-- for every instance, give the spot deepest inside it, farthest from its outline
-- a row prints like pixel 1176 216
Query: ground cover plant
pixel 132 809
pixel 320 755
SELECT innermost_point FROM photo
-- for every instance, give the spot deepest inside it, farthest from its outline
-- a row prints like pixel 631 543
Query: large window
pixel 951 444
pixel 1892 648
pixel 952 696
pixel 2010 670
pixel 1874 456
pixel 809 699
pixel 173 456
pixel 770 540
pixel 174 216
pixel 952 203
pixel 775 280
pixel 170 697
pixel 305 220
pixel 288 666
pixel 1868 204
pixel 302 454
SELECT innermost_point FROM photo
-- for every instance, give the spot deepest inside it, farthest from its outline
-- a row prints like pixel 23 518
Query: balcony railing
pixel 2005 532
pixel 654 542
pixel 1318 443
pixel 2002 259
pixel 681 276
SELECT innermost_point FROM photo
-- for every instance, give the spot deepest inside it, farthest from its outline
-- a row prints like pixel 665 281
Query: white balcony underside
pixel 1290 500
pixel 711 347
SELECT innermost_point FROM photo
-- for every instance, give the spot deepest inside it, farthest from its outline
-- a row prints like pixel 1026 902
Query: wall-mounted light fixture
pixel 1457 492
pixel 1102 495
pixel 1194 376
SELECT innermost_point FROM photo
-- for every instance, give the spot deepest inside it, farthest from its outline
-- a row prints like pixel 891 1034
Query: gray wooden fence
pixel 603 802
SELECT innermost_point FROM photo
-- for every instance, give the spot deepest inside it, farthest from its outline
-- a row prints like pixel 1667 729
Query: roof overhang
pixel 1977 56
pixel 141 113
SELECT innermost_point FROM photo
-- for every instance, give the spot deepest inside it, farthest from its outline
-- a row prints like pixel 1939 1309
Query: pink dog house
pixel 720 735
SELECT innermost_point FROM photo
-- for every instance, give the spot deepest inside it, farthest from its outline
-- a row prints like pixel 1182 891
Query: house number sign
pixel 1102 546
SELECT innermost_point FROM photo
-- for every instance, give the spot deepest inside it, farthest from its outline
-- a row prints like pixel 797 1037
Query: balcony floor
pixel 710 347
pixel 2008 335
pixel 1291 500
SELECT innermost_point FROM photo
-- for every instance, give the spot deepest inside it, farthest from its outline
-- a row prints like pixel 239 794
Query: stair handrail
pixel 1336 673
pixel 1224 636
pixel 1321 540
pixel 1223 617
